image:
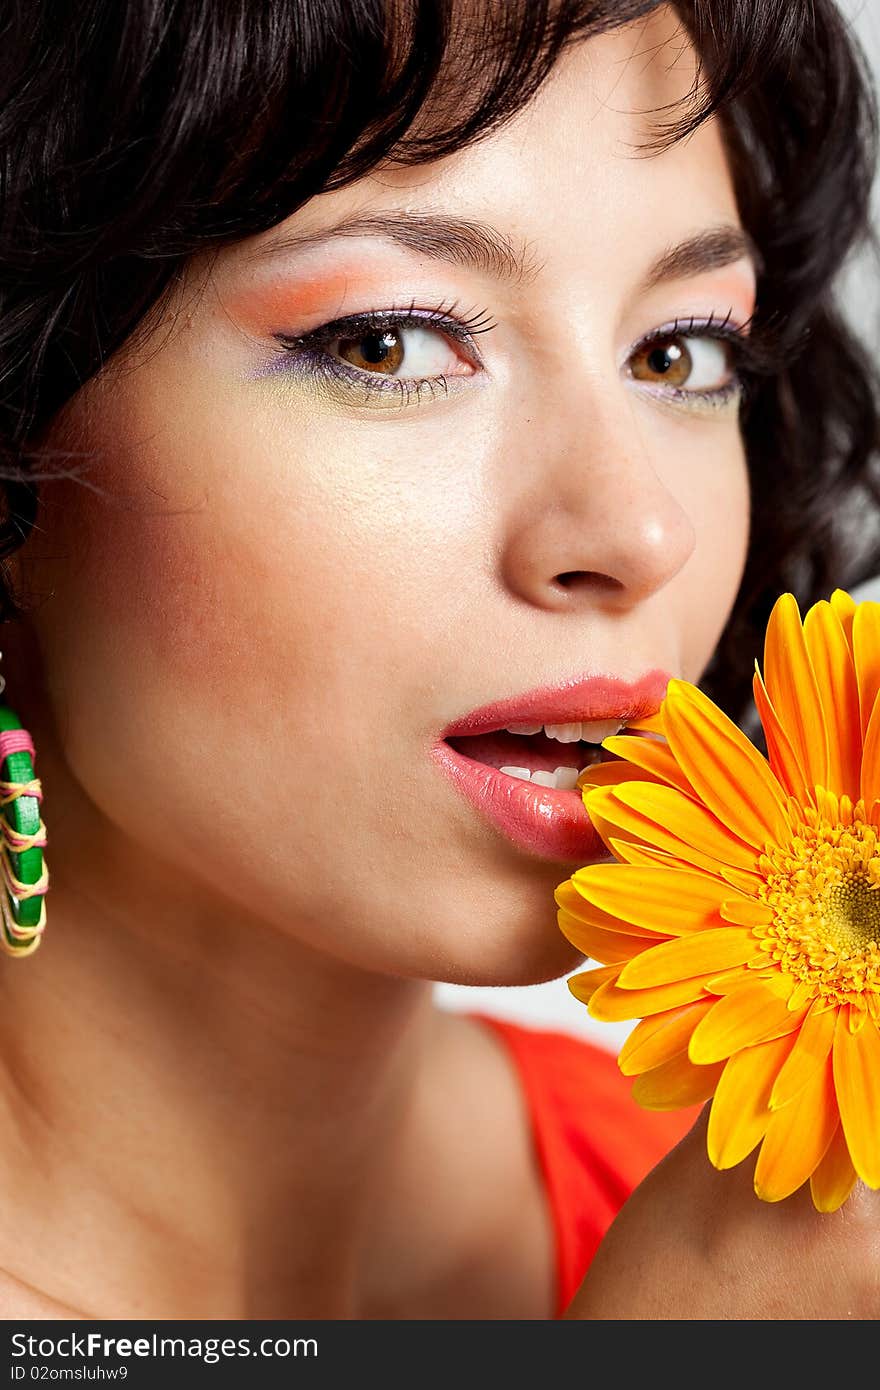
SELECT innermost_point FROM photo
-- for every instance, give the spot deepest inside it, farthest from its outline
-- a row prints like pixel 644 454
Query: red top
pixel 593 1142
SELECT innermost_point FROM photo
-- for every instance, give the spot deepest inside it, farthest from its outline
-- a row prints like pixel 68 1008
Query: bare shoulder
pixel 21 1303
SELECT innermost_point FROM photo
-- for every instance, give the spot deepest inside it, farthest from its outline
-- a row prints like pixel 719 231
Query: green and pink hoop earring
pixel 22 837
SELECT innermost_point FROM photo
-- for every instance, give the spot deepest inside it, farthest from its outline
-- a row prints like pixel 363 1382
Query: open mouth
pixel 522 777
pixel 542 758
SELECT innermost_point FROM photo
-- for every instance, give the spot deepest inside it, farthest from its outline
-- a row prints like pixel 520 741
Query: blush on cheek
pixel 145 565
pixel 154 586
pixel 198 615
pixel 225 617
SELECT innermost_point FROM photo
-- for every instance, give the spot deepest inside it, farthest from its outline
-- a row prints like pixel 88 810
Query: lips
pixel 543 821
pixel 569 702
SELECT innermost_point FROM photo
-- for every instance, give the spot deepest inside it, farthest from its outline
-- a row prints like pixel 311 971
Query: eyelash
pixel 311 360
pixel 751 356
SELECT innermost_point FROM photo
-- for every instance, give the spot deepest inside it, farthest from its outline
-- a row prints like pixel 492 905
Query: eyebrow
pixel 707 250
pixel 478 246
pixel 453 239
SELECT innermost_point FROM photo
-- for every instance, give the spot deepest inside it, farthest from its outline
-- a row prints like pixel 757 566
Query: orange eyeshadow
pixel 283 304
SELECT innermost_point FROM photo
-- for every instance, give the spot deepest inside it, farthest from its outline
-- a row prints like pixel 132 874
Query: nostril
pixel 571 579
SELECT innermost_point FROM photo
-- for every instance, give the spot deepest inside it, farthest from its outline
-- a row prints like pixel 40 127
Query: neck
pixel 189 1089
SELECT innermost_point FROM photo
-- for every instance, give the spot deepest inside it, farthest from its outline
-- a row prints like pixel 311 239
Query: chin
pixel 531 959
pixel 496 929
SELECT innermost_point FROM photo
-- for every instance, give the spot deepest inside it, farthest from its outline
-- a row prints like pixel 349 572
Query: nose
pixel 592 521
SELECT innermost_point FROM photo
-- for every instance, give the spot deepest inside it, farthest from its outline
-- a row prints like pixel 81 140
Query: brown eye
pixel 421 350
pixel 687 361
pixel 373 352
pixel 666 361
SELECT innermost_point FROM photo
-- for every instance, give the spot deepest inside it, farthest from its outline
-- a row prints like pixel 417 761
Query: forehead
pixel 649 64
pixel 581 143
pixel 569 189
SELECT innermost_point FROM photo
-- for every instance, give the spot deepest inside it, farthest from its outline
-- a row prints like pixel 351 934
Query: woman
pixel 379 377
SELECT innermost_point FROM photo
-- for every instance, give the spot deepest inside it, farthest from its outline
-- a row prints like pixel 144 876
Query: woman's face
pixel 294 567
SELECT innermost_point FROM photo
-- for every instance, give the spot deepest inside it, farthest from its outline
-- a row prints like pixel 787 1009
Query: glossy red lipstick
pixel 543 821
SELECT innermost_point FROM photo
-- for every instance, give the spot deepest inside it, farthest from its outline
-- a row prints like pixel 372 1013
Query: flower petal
pixel 777 984
pixel 609 774
pixel 844 606
pixel 835 1177
pixel 698 953
pixel 866 651
pixel 780 753
pixel 810 1052
pixel 838 695
pixel 612 1005
pixel 675 1084
pixel 576 905
pixel 665 817
pixel 589 982
pixel 740 1115
pixel 670 901
pixel 791 686
pixel 730 980
pixel 605 811
pixel 751 1014
pixel 869 786
pixel 725 769
pixel 857 1082
pixel 650 723
pixel 797 1137
pixel 652 756
pixel 746 880
pixel 598 943
pixel 746 912
pixel 566 895
pixel 629 852
pixel 655 1040
pixel 649 856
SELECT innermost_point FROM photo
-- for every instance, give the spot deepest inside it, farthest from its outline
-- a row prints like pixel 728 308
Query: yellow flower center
pixel 852 915
pixel 824 889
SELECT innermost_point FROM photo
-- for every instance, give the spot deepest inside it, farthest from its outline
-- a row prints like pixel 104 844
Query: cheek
pixel 219 640
pixel 196 599
pixel 215 554
pixel 242 639
pixel 720 512
pixel 167 595
pixel 240 555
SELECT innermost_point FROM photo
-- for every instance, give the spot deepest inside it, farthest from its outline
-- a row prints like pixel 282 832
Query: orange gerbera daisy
pixel 742 923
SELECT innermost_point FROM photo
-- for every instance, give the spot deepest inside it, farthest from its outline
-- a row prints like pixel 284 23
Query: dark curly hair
pixel 135 133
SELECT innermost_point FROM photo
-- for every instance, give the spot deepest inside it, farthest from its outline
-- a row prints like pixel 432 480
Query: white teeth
pixel 565 733
pixel 598 729
pixel 566 778
pixel 561 779
pixel 593 731
pixel 544 779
